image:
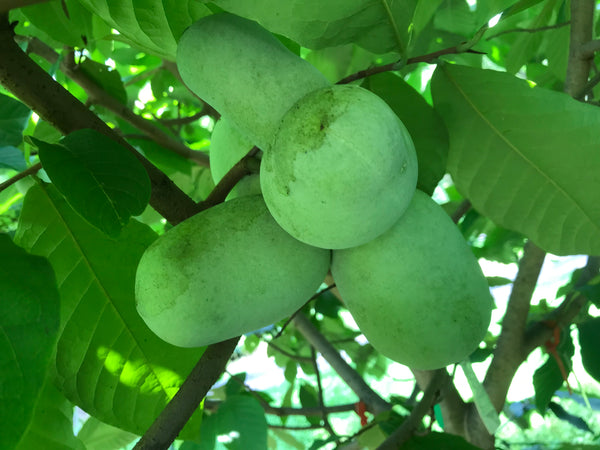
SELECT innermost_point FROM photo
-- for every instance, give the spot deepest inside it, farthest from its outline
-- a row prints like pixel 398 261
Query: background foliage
pixel 504 114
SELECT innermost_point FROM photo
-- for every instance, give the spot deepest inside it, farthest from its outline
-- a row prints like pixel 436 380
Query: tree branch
pixel 53 103
pixel 408 427
pixel 508 354
pixel 374 402
pixel 579 64
pixel 538 333
pixel 428 58
pixel 99 96
pixel 178 411
pixel 29 171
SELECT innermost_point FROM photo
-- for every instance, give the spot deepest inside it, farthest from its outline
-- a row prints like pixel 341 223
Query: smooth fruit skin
pixel 244 72
pixel 342 168
pixel 417 292
pixel 226 271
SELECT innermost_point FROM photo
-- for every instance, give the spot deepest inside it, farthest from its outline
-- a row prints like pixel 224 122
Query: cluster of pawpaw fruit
pixel 336 192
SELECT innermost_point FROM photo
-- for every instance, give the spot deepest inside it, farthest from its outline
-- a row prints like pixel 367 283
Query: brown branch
pixel 529 30
pixel 178 411
pixel 538 332
pixel 461 210
pixel 578 67
pixel 410 424
pixel 29 171
pixel 320 397
pixel 53 103
pixel 587 49
pixel 99 96
pixel 397 65
pixel 372 400
pixel 508 354
pixel 243 167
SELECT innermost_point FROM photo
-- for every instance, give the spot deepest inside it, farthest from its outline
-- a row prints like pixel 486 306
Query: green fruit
pixel 342 168
pixel 227 147
pixel 226 271
pixel 244 72
pixel 416 292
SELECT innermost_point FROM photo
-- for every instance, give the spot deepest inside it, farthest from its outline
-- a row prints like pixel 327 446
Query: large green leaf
pixel 378 25
pixel 526 157
pixel 101 180
pixel 152 25
pixel 52 425
pixel 589 338
pixel 423 123
pixel 107 361
pixel 97 435
pixel 64 21
pixel 29 315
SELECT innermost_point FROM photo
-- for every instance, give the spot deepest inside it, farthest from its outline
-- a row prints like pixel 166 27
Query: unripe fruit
pixel 244 72
pixel 227 147
pixel 416 292
pixel 342 168
pixel 226 271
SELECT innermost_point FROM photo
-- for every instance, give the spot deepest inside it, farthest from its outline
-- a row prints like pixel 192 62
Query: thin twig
pixel 29 171
pixel 529 30
pixel 461 210
pixel 397 65
pixel 321 400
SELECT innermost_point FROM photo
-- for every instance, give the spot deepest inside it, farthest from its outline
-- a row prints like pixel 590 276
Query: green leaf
pixel 379 26
pixel 65 21
pixel 589 338
pixel 29 317
pixel 438 441
pixel 527 44
pixel 291 370
pixel 107 361
pixel 97 435
pixel 548 378
pixel 423 123
pixel 12 158
pixel 240 423
pixel 484 405
pixel 522 156
pixel 52 424
pixel 309 399
pixel 101 180
pixel 108 79
pixel 14 116
pixel 151 25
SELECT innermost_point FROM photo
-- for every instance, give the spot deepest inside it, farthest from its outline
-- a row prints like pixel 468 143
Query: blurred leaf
pixel 548 378
pixel 589 340
pixel 424 12
pixel 107 361
pixel 12 158
pixel 438 441
pixel 239 423
pixel 103 181
pixel 572 419
pixel 425 126
pixel 14 116
pixel 340 61
pixel 508 139
pixel 97 435
pixel 291 370
pixel 288 438
pixel 485 408
pixel 105 77
pixel 235 384
pixel 29 317
pixel 65 21
pixel 328 304
pixel 527 44
pixel 52 424
pixel 152 25
pixel 498 281
pixel 309 399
